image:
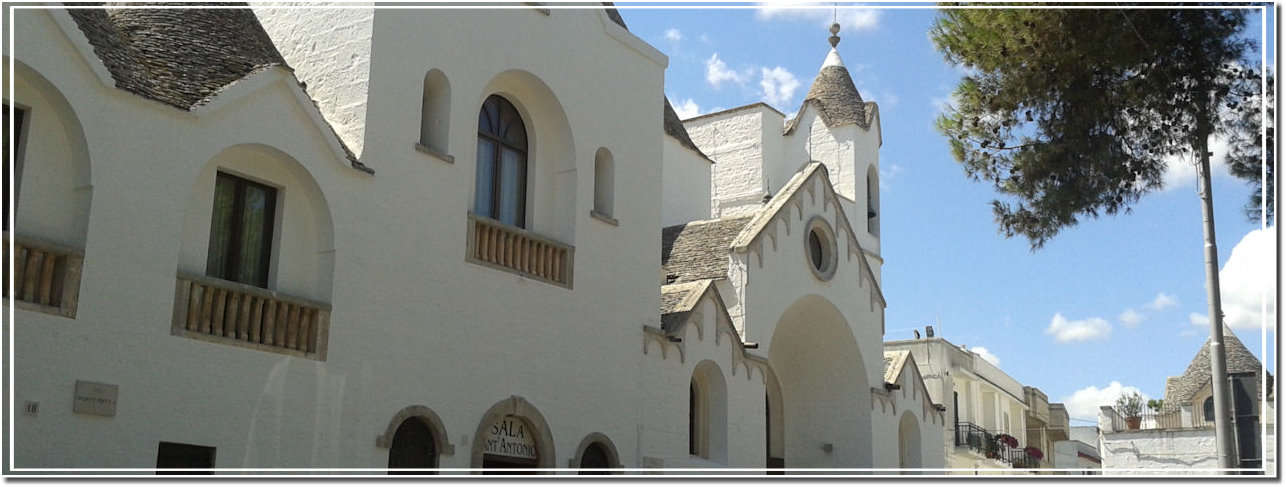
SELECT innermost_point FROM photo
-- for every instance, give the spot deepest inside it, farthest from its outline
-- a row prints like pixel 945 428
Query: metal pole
pixel 1225 445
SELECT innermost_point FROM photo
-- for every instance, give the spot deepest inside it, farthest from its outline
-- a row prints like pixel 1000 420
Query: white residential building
pixel 983 404
pixel 361 239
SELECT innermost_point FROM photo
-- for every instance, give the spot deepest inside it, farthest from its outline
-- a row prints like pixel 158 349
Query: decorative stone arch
pixel 613 458
pixel 516 406
pixel 551 156
pixel 442 442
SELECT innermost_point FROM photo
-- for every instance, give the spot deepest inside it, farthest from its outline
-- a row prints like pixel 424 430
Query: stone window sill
pixel 447 158
pixel 604 218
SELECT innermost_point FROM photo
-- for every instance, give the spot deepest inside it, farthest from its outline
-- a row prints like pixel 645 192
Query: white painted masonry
pixel 374 240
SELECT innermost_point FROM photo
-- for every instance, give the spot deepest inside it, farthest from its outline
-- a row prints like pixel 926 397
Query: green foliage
pixel 1074 112
pixel 1248 157
pixel 1155 404
pixel 1129 405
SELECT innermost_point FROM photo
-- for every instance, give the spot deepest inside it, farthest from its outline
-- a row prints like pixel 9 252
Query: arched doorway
pixel 909 453
pixel 413 447
pixel 512 438
pixel 824 388
pixel 596 455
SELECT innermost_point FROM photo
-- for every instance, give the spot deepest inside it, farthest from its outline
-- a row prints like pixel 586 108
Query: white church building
pixel 367 240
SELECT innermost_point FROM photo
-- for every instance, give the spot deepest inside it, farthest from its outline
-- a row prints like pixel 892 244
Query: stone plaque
pixel 95 398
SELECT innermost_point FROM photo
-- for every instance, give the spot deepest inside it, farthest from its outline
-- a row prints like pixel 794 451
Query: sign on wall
pixel 510 437
pixel 95 398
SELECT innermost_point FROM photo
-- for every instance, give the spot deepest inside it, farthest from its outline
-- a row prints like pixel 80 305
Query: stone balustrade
pixel 46 275
pixel 229 312
pixel 513 249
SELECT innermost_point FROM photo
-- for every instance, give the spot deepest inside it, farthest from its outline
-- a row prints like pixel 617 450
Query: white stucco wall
pixel 1160 452
pixel 685 185
pixel 735 140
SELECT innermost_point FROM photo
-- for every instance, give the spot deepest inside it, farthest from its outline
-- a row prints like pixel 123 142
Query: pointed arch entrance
pixel 825 393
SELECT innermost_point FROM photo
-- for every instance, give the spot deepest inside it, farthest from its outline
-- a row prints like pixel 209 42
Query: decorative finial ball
pixel 835 28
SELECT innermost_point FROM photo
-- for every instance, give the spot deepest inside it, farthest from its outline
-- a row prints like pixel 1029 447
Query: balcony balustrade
pixel 1166 418
pixel 229 312
pixel 46 276
pixel 500 246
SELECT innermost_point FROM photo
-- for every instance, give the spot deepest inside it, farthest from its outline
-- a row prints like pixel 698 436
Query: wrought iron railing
pixel 986 443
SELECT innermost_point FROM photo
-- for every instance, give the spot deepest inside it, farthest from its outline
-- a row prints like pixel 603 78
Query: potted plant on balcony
pixel 1130 407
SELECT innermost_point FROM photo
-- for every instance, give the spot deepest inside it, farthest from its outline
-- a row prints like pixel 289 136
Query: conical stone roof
pixel 1183 389
pixel 835 95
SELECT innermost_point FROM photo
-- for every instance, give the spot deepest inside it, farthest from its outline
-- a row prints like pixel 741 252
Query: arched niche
pixel 604 183
pixel 708 413
pixel 435 112
pixel 551 157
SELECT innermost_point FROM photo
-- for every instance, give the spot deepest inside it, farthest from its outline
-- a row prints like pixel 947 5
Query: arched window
pixel 413 447
pixel 594 461
pixel 604 182
pixel 501 185
pixel 434 112
pixel 1208 408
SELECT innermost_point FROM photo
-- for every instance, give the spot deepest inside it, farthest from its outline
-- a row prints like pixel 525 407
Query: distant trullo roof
pixel 1183 389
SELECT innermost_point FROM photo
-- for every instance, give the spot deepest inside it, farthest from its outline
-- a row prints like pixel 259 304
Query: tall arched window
pixel 695 423
pixel 501 191
pixel 1208 409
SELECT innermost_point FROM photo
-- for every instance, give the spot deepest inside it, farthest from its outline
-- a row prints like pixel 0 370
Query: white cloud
pixel 850 19
pixel 1131 318
pixel 1198 319
pixel 1181 170
pixel 1079 330
pixel 673 35
pixel 1086 403
pixel 986 355
pixel 779 85
pixel 717 72
pixel 1247 279
pixel 687 109
pixel 1163 301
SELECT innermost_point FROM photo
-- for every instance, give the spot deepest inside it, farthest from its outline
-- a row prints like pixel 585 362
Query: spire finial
pixel 834 35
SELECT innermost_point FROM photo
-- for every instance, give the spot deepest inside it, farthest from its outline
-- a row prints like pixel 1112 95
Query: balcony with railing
pixel 46 276
pixel 512 249
pixel 988 444
pixel 206 308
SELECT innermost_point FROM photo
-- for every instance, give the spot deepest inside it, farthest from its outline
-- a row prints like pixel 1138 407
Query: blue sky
pixel 1106 305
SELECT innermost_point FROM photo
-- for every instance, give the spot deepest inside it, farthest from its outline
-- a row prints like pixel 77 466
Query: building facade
pixel 306 238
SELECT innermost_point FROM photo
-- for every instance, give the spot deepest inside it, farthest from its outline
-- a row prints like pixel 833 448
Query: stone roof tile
pixel 180 57
pixel 699 250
